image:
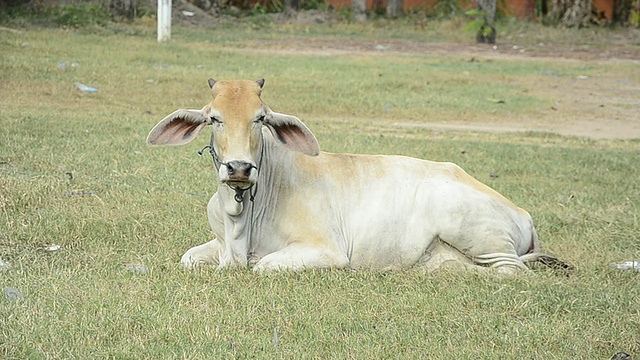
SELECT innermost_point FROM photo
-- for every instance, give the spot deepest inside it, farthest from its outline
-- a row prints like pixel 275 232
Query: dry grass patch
pixel 75 172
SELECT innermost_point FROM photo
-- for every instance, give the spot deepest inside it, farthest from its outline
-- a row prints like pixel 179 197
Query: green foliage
pixel 477 20
pixel 445 8
pixel 276 6
pixel 634 18
pixel 81 14
pixel 268 6
pixel 540 8
pixel 479 26
pixel 314 5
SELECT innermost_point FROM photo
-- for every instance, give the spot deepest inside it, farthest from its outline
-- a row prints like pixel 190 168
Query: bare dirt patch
pixel 598 108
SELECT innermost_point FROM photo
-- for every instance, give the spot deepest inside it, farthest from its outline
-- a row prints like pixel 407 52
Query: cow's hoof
pixel 206 253
pixel 190 261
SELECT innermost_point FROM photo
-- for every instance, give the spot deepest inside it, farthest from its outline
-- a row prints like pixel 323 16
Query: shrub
pixel 81 14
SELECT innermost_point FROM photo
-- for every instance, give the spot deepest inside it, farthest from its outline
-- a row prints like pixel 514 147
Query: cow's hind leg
pixel 207 253
pixel 504 262
pixel 443 257
pixel 494 250
pixel 299 256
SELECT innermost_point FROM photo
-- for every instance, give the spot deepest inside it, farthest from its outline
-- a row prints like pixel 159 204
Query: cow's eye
pixel 215 120
pixel 260 119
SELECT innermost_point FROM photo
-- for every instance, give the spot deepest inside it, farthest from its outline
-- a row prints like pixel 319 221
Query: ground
pixel 601 107
pixel 589 107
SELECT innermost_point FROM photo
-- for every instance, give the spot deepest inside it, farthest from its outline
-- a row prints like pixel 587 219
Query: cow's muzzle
pixel 239 169
pixel 238 174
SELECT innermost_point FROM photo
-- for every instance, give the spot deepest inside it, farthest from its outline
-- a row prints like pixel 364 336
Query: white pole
pixel 164 20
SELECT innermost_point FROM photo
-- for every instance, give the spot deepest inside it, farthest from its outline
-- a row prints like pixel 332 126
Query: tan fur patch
pixel 237 102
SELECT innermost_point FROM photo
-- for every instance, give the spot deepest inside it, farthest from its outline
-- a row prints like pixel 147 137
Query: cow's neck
pixel 243 220
pixel 236 235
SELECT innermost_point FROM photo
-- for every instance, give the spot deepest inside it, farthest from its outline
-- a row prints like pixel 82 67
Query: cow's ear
pixel 292 133
pixel 179 128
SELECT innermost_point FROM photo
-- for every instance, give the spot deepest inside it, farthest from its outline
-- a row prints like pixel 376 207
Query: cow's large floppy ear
pixel 178 128
pixel 292 133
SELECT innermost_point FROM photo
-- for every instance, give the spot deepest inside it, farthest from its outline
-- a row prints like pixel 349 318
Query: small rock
pixel 276 341
pixel 582 77
pixel 628 265
pixel 380 47
pixel 188 13
pixel 11 293
pixel 621 356
pixel 52 248
pixel 85 88
pixel 136 268
pixel 4 265
pixel 79 193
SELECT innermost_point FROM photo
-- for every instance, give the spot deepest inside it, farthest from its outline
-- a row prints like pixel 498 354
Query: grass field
pixel 75 171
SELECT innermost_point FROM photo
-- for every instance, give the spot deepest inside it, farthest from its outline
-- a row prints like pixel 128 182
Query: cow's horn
pixel 260 82
pixel 211 82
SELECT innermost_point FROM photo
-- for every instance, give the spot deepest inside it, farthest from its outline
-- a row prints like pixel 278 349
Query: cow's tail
pixel 535 256
pixel 547 260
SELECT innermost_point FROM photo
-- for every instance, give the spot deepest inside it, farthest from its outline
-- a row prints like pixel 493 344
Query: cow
pixel 282 204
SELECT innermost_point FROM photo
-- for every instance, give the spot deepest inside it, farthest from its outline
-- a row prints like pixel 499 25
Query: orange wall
pixel 605 6
pixel 515 8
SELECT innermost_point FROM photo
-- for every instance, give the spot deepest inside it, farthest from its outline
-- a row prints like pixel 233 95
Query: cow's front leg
pixel 297 257
pixel 207 253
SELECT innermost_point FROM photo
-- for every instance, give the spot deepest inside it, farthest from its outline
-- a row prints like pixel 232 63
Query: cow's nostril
pixel 230 169
pixel 240 167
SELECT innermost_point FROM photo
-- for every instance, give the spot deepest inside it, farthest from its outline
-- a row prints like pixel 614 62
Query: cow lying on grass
pixel 283 204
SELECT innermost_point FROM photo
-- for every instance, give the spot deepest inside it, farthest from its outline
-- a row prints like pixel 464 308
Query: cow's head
pixel 237 115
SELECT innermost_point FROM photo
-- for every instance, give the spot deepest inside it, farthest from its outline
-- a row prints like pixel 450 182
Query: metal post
pixel 164 20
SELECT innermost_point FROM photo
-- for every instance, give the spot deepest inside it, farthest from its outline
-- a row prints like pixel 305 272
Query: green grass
pixel 75 171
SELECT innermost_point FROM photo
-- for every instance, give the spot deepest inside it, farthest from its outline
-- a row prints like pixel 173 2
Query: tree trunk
pixel 359 9
pixel 394 8
pixel 123 8
pixel 487 32
pixel 488 7
pixel 571 13
pixel 620 11
pixel 290 5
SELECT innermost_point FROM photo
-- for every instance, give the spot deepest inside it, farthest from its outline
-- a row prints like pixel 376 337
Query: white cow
pixel 283 204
